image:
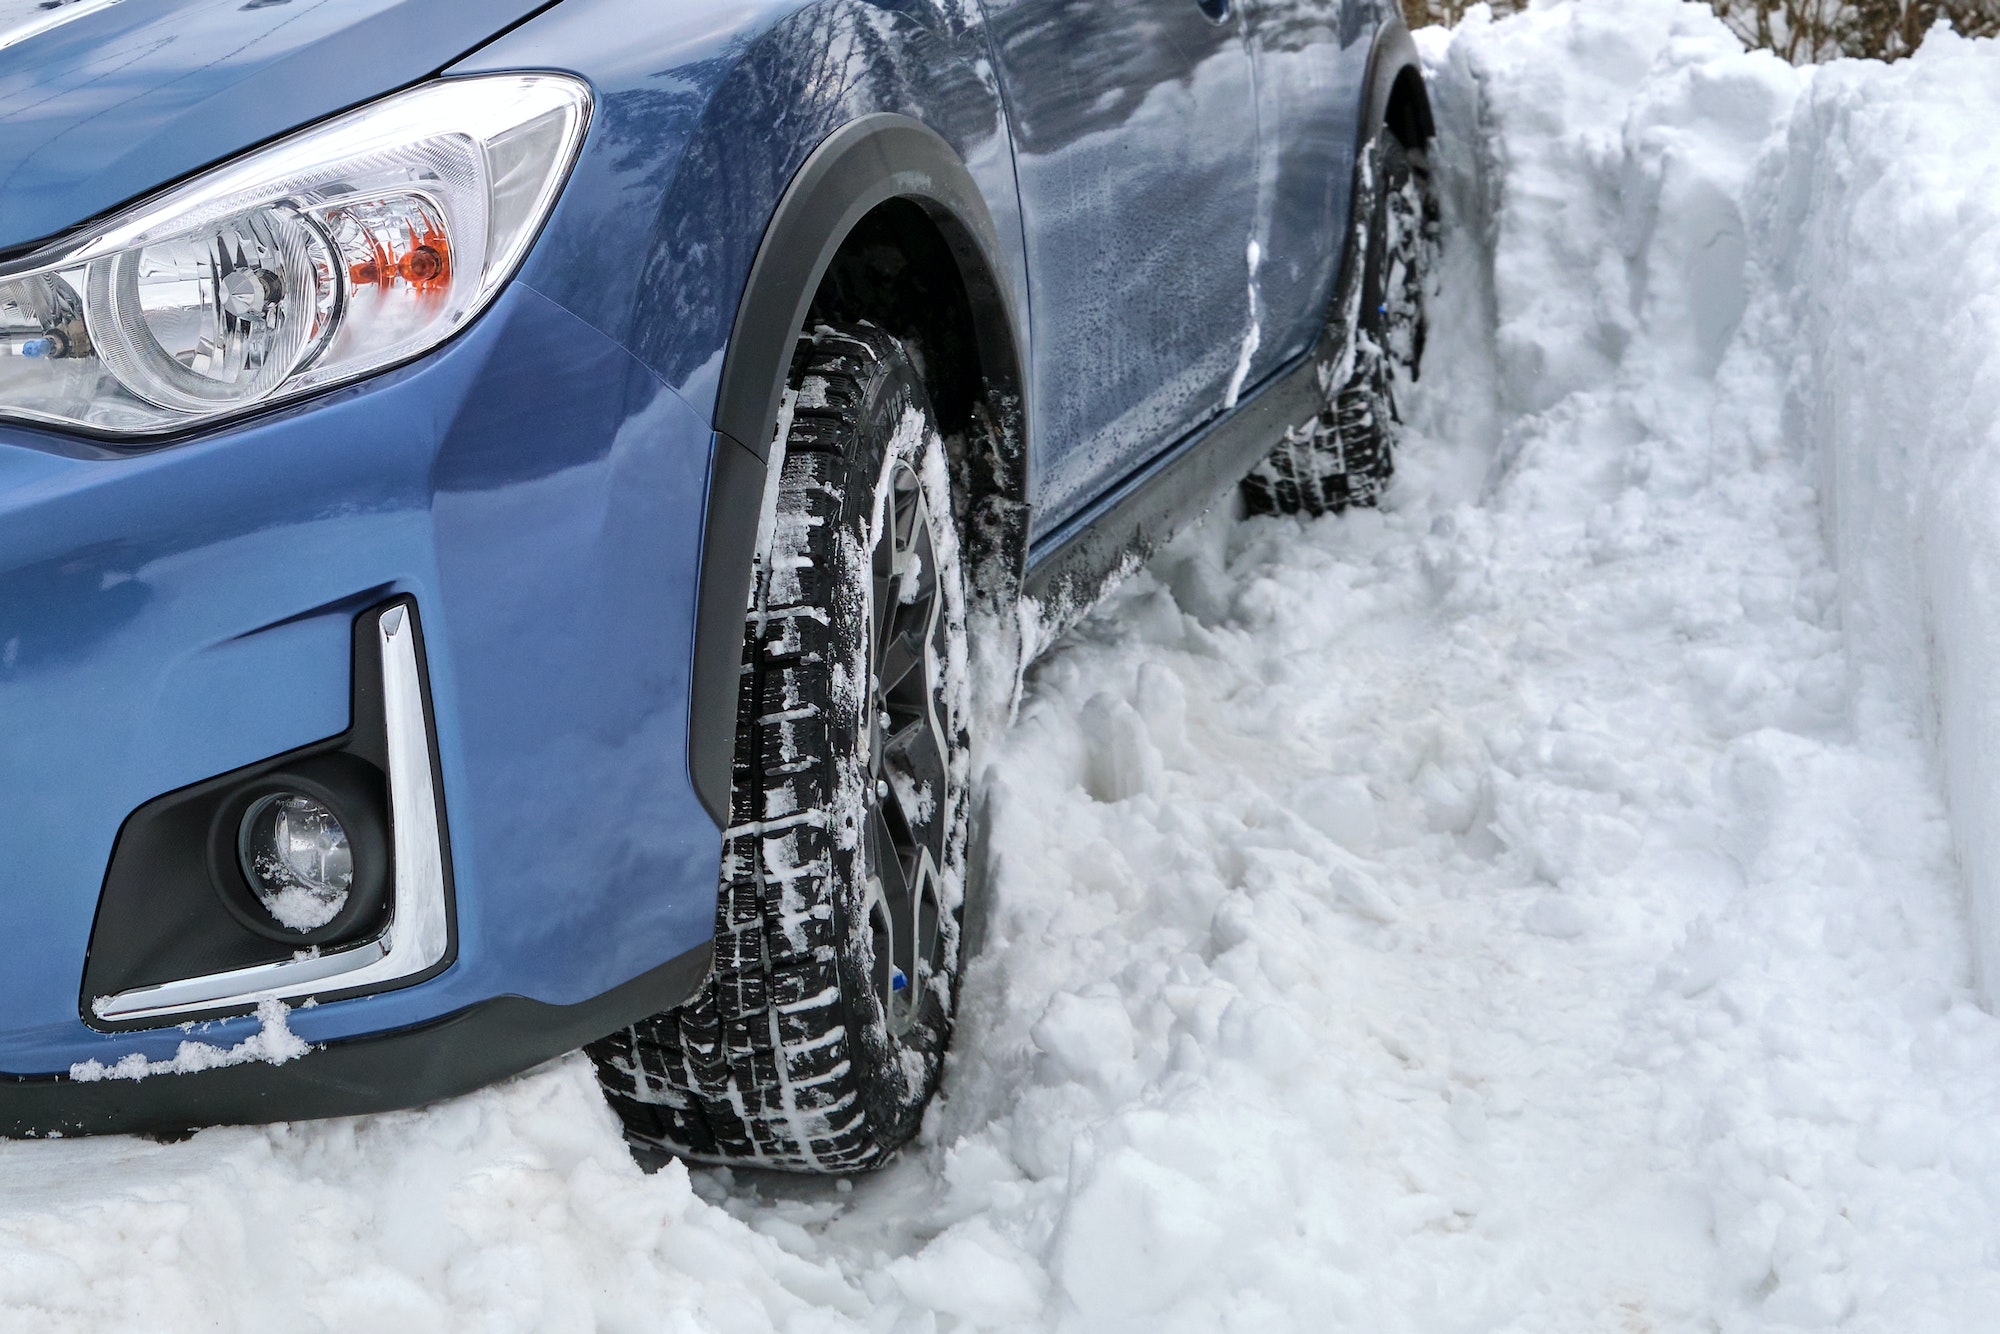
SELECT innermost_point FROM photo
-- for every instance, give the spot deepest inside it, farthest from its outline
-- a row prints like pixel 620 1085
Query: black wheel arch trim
pixel 861 165
pixel 1394 53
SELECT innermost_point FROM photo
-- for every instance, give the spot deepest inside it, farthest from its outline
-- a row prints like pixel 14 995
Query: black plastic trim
pixel 865 163
pixel 382 1072
pixel 1132 521
pixel 729 547
pixel 1394 52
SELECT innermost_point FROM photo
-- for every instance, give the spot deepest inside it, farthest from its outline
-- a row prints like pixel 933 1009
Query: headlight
pixel 346 248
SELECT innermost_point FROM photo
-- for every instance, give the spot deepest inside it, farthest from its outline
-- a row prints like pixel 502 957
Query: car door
pixel 1310 59
pixel 1134 126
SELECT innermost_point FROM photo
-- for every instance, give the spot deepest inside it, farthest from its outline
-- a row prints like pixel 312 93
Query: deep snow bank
pixel 1881 218
pixel 1508 911
pixel 1841 226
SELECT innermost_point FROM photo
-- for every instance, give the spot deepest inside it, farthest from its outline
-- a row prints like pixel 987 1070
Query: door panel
pixel 1311 63
pixel 1135 148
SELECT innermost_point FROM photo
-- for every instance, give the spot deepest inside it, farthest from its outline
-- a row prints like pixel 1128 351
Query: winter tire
pixel 1347 456
pixel 820 1035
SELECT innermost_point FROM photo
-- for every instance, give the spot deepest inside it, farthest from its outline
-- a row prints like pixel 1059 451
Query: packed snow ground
pixel 1532 907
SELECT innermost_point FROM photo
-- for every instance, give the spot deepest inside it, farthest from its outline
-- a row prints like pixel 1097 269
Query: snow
pixel 300 907
pixel 1540 905
pixel 273 1043
pixel 1253 337
pixel 1883 219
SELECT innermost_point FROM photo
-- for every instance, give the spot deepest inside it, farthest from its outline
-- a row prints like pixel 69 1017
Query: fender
pixel 863 164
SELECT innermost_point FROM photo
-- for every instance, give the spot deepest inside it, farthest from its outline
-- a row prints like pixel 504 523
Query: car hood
pixel 105 100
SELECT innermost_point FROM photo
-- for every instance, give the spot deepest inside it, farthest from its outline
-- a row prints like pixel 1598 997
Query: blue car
pixel 470 469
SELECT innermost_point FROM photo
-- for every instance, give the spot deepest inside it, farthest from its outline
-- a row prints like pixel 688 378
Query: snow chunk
pixel 973 1274
pixel 273 1043
pixel 1558 918
pixel 1086 1038
pixel 1123 761
pixel 303 908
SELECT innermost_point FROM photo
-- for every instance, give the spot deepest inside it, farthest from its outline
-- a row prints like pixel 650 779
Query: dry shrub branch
pixel 1802 31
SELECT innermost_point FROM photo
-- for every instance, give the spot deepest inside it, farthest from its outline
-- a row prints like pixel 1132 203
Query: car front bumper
pixel 172 615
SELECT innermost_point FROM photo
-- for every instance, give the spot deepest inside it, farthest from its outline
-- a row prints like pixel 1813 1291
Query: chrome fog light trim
pixel 418 933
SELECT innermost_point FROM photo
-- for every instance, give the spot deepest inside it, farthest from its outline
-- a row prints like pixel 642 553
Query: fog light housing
pixel 302 855
pixel 296 856
pixel 182 932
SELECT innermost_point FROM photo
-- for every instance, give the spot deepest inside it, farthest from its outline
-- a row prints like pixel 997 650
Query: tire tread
pixel 760 1067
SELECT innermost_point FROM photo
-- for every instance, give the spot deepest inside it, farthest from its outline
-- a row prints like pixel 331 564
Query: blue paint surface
pixel 539 483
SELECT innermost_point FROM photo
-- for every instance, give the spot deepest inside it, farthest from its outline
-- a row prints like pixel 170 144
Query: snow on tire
pixel 820 1035
pixel 1347 456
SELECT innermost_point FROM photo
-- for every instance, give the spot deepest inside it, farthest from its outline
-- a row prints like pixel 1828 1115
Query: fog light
pixel 296 856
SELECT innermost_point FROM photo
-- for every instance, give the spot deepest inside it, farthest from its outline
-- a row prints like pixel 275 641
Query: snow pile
pixel 1885 225
pixel 1508 911
pixel 1530 907
pixel 513 1209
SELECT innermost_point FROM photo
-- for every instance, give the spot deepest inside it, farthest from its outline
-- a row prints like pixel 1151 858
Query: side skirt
pixel 1072 567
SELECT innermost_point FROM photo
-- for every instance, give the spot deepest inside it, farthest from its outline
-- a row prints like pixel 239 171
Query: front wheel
pixel 821 1033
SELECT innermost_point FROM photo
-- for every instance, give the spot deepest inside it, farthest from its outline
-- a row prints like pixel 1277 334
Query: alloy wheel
pixel 907 754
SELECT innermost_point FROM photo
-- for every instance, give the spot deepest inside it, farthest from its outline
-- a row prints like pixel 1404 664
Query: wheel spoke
pixel 912 747
pixel 882 931
pixel 897 659
pixel 885 609
pixel 906 764
pixel 899 821
pixel 889 863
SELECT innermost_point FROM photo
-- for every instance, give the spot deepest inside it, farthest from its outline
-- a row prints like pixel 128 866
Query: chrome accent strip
pixel 418 932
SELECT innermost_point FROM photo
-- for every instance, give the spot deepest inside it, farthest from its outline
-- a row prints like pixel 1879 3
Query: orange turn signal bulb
pixel 393 243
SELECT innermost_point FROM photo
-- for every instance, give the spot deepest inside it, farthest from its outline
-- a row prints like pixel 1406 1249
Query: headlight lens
pixel 349 247
pixel 226 316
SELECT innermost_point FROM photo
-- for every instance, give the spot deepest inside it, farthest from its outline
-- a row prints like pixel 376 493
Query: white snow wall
pixel 1835 229
pixel 1881 222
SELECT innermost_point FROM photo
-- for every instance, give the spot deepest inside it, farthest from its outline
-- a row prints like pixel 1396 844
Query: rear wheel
pixel 820 1035
pixel 1347 456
